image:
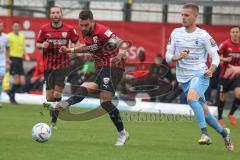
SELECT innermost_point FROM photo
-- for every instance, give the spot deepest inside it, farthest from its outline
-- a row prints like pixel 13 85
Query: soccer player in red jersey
pixel 229 51
pixel 109 59
pixel 51 38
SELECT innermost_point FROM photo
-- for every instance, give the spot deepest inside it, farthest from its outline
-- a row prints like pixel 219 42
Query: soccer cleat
pixel 222 123
pixel 53 125
pixel 228 140
pixel 122 138
pixel 232 120
pixel 205 139
pixel 62 105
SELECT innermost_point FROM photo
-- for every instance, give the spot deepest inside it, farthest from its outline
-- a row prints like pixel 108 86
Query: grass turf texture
pixel 94 139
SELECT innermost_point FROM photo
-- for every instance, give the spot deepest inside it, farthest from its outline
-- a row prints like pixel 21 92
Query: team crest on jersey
pixel 64 34
pixel 95 39
pixel 212 42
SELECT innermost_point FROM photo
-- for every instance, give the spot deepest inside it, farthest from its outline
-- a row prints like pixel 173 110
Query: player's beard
pixel 56 23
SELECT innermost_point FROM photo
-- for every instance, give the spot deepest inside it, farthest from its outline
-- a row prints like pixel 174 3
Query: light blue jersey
pixel 3 49
pixel 199 44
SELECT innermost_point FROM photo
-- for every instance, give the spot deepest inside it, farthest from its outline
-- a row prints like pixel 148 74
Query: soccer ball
pixel 41 132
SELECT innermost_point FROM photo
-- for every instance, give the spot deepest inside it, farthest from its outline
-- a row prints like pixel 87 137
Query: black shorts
pixel 16 66
pixel 228 85
pixel 108 78
pixel 55 78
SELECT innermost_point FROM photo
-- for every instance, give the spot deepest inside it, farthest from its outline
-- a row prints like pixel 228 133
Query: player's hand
pixel 230 72
pixel 183 54
pixel 45 45
pixel 208 73
pixel 63 49
pixel 227 59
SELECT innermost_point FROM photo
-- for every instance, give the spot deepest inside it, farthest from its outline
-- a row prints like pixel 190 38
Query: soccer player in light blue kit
pixel 4 56
pixel 189 47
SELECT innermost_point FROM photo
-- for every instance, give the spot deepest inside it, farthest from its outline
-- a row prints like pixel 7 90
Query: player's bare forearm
pixel 213 68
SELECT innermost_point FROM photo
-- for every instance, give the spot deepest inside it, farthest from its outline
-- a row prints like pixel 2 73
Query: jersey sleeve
pixel 41 38
pixel 170 48
pixel 74 35
pixel 222 48
pixel 212 49
pixel 7 42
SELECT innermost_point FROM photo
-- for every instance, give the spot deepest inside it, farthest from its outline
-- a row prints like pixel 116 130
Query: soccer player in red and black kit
pixel 229 51
pixel 109 60
pixel 51 38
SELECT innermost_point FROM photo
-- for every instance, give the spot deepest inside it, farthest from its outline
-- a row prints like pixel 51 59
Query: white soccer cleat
pixel 228 140
pixel 205 139
pixel 122 138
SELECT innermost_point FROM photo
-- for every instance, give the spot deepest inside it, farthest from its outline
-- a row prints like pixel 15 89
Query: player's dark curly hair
pixel 85 15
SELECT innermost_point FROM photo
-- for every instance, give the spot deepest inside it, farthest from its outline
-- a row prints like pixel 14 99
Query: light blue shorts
pixel 2 70
pixel 200 84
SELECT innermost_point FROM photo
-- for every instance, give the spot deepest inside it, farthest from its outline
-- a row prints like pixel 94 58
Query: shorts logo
pixel 95 39
pixel 106 81
pixel 64 34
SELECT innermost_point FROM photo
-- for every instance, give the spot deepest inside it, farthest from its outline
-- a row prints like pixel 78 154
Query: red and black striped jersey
pixel 102 52
pixel 229 49
pixel 56 37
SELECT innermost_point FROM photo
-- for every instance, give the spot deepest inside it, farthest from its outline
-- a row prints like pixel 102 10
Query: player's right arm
pixel 41 41
pixel 222 51
pixel 171 47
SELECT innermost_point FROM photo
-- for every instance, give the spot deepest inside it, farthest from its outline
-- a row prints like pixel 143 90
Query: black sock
pixel 55 113
pixel 114 115
pixel 74 99
pixel 204 131
pixel 235 106
pixel 220 109
pixel 13 91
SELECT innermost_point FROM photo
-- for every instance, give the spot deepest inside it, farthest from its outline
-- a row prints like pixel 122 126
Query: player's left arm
pixel 212 49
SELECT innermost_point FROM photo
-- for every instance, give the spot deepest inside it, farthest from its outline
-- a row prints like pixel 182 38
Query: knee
pixel 50 99
pixel 192 95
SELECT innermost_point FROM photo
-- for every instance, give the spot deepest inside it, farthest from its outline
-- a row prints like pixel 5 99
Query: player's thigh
pixel 200 84
pixel 91 87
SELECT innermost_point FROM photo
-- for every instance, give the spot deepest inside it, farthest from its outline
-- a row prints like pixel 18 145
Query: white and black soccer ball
pixel 41 132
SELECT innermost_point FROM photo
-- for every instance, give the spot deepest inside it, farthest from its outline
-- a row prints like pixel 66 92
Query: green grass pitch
pixel 94 139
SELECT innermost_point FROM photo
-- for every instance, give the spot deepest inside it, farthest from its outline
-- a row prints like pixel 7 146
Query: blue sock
pixel 198 112
pixel 211 120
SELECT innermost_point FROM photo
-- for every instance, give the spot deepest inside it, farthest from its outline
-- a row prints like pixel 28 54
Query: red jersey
pixel 229 49
pixel 39 68
pixel 56 37
pixel 98 41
